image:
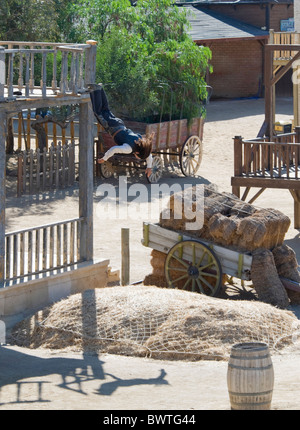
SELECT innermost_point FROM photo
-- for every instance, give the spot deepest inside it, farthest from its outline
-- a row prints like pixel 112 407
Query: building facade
pixel 236 33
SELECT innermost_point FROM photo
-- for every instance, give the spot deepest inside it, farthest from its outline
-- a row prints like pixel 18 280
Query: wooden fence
pixel 37 251
pixel 41 170
pixel 26 60
pixel 25 137
pixel 284 38
pixel 261 158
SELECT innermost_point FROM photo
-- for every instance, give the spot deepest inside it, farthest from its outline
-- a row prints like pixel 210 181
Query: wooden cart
pixel 197 265
pixel 171 139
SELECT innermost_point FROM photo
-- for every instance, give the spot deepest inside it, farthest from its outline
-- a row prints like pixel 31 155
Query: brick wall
pixel 279 12
pixel 237 68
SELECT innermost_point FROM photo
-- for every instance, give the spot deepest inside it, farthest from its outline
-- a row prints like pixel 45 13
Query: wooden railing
pixel 42 250
pixel 284 38
pixel 261 158
pixel 28 68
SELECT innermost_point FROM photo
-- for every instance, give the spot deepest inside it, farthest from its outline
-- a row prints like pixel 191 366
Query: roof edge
pixel 234 2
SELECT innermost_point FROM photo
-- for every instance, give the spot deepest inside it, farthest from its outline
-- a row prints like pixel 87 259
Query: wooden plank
pixel 173 236
pixel 228 267
pixel 86 181
pixel 264 182
pixel 125 254
pixel 3 121
pixel 2 73
pixel 163 240
pixel 268 61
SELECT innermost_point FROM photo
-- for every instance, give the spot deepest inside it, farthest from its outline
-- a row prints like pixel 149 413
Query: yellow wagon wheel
pixel 191 265
pixel 191 156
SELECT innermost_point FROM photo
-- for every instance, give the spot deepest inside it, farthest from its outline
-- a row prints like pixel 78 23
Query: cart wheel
pixel 106 169
pixel 191 155
pixel 157 169
pixel 193 266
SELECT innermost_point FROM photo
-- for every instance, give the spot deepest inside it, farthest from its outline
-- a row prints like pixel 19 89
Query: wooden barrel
pixel 250 376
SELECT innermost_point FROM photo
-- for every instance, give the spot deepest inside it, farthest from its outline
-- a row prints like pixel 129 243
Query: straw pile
pixel 228 221
pixel 163 323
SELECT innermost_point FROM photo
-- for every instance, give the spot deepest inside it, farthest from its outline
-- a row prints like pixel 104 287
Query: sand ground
pixel 41 379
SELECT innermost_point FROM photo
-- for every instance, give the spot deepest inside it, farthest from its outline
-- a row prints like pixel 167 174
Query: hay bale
pixel 228 221
pixel 167 323
pixel 266 281
pixel 157 280
pixel 287 267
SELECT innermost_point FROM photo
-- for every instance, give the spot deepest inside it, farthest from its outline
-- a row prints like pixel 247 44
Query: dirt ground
pixel 45 379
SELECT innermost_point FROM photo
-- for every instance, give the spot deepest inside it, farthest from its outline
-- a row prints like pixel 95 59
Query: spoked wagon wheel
pixel 106 169
pixel 193 266
pixel 191 155
pixel 157 169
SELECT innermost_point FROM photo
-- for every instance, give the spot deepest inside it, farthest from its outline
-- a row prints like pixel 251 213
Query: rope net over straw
pixel 157 322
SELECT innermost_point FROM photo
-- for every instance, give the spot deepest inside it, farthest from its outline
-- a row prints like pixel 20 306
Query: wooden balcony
pixel 261 163
pixel 38 75
pixel 34 71
pixel 283 56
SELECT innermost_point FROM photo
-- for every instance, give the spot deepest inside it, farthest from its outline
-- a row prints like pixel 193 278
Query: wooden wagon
pixel 172 139
pixel 198 265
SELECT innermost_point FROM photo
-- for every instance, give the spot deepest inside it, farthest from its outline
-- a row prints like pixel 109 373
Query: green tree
pixel 37 20
pixel 123 66
pixel 96 17
pixel 147 60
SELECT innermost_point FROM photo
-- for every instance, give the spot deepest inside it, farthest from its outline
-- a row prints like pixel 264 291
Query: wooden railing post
pixel 238 157
pixel 269 99
pixel 3 121
pixel 238 160
pixel 90 62
pixel 86 181
pixel 2 72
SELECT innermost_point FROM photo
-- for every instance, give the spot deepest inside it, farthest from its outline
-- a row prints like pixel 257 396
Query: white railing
pixel 38 251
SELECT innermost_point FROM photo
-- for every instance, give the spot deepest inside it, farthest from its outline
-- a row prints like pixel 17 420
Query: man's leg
pixel 101 110
pixel 99 101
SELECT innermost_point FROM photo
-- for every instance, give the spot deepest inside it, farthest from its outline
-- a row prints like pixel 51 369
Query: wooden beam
pixel 268 93
pixel 2 73
pixel 86 180
pixel 283 71
pixel 296 197
pixel 283 47
pixel 125 253
pixel 246 192
pixel 34 103
pixel 271 80
pixel 3 122
pixel 90 63
pixel 284 184
pixel 256 195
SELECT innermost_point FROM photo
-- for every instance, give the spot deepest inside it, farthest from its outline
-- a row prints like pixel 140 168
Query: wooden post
pixel 125 251
pixel 296 197
pixel 238 160
pixel 2 72
pixel 90 62
pixel 268 92
pixel 237 142
pixel 86 181
pixel 3 121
